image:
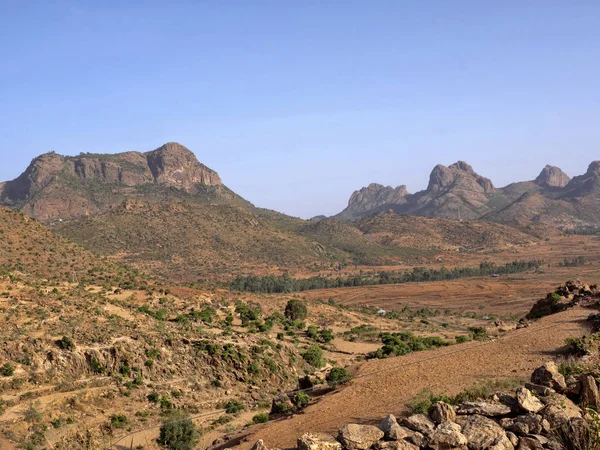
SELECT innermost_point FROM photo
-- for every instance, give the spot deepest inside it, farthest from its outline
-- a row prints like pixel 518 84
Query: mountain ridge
pixel 457 191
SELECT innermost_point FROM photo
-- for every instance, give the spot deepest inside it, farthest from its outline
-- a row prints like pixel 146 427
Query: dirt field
pixel 507 295
pixel 384 386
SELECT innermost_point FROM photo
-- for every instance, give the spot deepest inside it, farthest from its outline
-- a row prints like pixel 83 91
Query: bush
pixel 296 310
pixel 118 421
pixel 66 343
pixel 301 399
pixel 234 407
pixel 7 370
pixel 338 375
pixel 478 334
pixel 178 434
pixel 462 339
pixel 153 397
pixel 314 356
pixel 261 418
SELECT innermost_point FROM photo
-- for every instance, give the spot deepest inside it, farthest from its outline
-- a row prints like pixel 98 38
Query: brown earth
pixel 384 386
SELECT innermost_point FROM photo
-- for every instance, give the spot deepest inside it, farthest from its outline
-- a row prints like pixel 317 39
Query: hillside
pixel 457 191
pixel 29 250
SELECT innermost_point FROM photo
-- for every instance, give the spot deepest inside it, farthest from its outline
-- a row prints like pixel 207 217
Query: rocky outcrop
pixel 552 176
pixel 371 198
pixel 65 187
pixel 547 421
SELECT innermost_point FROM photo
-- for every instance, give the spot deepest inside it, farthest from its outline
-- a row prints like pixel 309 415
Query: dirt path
pixel 383 386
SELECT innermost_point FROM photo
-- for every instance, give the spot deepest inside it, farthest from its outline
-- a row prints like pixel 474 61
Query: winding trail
pixel 384 386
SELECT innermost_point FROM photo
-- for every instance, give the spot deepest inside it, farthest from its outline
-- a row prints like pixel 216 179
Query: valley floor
pixel 384 386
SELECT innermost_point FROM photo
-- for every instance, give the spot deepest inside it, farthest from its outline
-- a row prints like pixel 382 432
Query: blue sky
pixel 298 103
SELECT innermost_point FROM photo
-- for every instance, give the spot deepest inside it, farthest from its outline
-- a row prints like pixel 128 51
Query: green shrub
pixel 153 397
pixel 234 407
pixel 179 433
pixel 338 375
pixel 313 355
pixel 261 418
pixel 462 339
pixel 118 421
pixel 7 370
pixel 296 310
pixel 301 399
pixel 478 334
pixel 66 343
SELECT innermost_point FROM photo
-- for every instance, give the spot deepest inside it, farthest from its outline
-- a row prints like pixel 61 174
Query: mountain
pixel 457 191
pixel 57 187
pixel 574 205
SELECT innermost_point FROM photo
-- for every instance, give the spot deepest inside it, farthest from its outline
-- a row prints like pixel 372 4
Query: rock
pixel 533 422
pixel 395 445
pixel 548 375
pixel 512 437
pixel 483 409
pixel 539 389
pixel 554 445
pixel 420 423
pixel 318 441
pixel 528 401
pixel 483 433
pixel 393 431
pixel 590 398
pixel 502 443
pixel 448 436
pixel 442 412
pixel 387 423
pixel 529 443
pixel 260 445
pixel 419 439
pixel 398 432
pixel 573 386
pixel 559 410
pixel 519 428
pixel 359 437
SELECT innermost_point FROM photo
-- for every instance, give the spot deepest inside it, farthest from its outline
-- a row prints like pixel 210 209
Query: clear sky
pixel 297 103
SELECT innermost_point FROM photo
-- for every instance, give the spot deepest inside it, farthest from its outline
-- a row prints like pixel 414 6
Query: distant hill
pixel 457 191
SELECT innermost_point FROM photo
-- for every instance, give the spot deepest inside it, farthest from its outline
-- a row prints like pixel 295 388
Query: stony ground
pixel 384 386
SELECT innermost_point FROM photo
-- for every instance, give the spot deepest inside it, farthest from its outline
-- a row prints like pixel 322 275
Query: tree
pixel 338 375
pixel 314 356
pixel 179 433
pixel 296 310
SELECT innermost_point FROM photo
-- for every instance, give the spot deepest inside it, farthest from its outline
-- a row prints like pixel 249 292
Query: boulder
pixel 529 443
pixel 392 430
pixel 442 412
pixel 359 437
pixel 483 433
pixel 419 439
pixel 259 445
pixel 559 410
pixel 395 445
pixel 420 423
pixel 539 389
pixel 590 398
pixel 533 422
pixel 512 437
pixel 398 432
pixel 548 375
pixel 448 436
pixel 483 409
pixel 318 441
pixel 528 402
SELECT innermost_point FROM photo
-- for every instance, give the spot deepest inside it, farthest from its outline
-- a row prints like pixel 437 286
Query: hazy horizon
pixel 297 107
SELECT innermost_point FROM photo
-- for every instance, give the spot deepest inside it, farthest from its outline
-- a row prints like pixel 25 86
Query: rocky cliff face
pixel 459 175
pixel 552 176
pixel 374 196
pixel 55 186
pixel 586 184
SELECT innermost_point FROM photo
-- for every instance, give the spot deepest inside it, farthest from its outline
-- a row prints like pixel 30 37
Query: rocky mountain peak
pixel 175 165
pixel 588 183
pixel 458 175
pixel 552 176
